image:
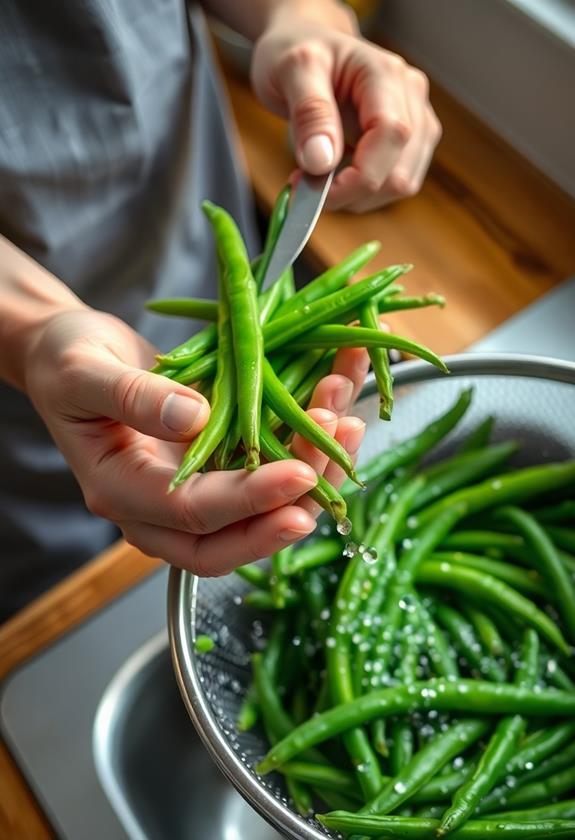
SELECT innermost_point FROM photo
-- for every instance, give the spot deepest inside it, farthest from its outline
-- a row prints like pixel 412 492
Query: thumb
pixel 144 401
pixel 314 114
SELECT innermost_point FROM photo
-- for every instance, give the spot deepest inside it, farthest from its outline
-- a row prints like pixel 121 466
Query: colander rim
pixel 183 587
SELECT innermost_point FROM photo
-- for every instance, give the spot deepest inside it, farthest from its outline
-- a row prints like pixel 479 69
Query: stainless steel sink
pixel 152 765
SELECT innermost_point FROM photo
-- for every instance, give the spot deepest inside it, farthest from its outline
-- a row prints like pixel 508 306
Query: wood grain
pixel 487 231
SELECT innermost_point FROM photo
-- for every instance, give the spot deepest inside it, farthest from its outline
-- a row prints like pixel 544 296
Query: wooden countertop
pixel 487 231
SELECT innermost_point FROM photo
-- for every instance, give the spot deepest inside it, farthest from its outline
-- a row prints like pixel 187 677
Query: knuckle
pixel 193 518
pixel 394 63
pixel 311 112
pixel 398 130
pixel 300 55
pixel 420 81
pixel 202 563
pixel 401 185
pixel 128 389
pixel 436 128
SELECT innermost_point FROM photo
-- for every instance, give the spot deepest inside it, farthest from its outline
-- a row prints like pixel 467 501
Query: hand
pixel 123 430
pixel 311 66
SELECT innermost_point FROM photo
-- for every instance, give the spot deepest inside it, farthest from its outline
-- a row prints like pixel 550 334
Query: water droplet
pixel 411 522
pixel 399 787
pixel 330 642
pixel 551 666
pixel 407 543
pixel 529 765
pixel 344 526
pixel 237 599
pixel 296 641
pixel 458 762
pixel 324 614
pixel 497 484
pixel 369 556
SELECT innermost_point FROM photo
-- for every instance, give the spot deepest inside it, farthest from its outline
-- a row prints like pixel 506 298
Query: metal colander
pixel 533 400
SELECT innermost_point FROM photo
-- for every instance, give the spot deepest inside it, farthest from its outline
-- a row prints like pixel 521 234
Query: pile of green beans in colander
pixel 421 684
pixel 261 358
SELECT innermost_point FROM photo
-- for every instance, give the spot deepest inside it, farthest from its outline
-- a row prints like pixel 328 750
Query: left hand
pixel 311 66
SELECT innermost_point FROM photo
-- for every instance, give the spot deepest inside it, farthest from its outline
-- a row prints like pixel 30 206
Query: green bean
pixel 285 406
pixel 312 554
pixel 249 710
pixel 479 436
pixel 524 580
pixel 369 317
pixel 336 335
pixel 246 330
pixel 223 401
pixel 440 651
pixel 562 537
pixel 473 696
pixel 323 776
pixel 561 512
pixel 398 304
pixel 204 310
pixel 204 644
pixel 227 447
pixel 261 600
pixel 425 764
pixel 559 761
pixel 255 575
pixel 323 493
pixel 538 746
pixel 557 810
pixel 486 629
pixel 440 788
pixel 410 450
pixel 467 580
pixel 460 470
pixel 333 279
pixel 465 640
pixel 276 222
pixel 402 745
pixel 517 486
pixel 547 561
pixel 542 791
pixel 482 540
pixel 279 586
pixel 334 799
pixel 302 394
pixel 499 749
pixel 286 328
pixel 425 829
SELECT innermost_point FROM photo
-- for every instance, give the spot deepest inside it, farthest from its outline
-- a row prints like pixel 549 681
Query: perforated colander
pixel 533 400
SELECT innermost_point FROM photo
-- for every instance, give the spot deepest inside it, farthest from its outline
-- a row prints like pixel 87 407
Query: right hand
pixel 123 431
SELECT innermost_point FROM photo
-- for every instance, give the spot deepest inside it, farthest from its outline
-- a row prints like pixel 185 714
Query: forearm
pixel 29 297
pixel 252 17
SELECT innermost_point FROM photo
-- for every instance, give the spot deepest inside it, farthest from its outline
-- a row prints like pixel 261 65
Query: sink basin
pixel 152 765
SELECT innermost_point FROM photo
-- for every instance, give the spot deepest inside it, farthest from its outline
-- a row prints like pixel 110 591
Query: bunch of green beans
pixel 264 352
pixel 435 689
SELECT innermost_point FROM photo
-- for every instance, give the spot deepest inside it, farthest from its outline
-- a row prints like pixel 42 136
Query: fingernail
pixel 289 535
pixel 317 154
pixel 354 437
pixel 297 485
pixel 342 397
pixel 179 413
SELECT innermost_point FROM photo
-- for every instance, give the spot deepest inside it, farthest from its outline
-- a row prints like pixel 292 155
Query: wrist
pixel 29 298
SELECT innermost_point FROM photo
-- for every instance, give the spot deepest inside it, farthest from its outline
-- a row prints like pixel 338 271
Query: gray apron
pixel 112 130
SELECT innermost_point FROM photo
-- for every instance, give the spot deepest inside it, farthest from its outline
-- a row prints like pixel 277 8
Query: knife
pixel 306 204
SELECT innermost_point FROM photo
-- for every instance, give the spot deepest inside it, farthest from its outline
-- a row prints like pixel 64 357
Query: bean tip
pixel 252 461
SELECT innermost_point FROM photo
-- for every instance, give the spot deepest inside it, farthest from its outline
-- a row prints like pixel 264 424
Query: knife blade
pixel 305 207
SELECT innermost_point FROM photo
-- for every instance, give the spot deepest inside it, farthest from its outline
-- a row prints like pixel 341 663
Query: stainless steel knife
pixel 305 206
